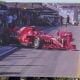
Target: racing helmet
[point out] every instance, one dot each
(33, 27)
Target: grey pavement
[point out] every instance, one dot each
(44, 63)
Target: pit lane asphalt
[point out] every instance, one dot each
(44, 63)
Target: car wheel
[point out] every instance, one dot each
(37, 43)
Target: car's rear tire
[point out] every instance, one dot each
(37, 44)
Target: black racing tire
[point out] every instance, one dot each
(37, 44)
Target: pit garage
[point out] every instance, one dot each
(19, 17)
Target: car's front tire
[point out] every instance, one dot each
(37, 44)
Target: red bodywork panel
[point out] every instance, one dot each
(67, 36)
(63, 41)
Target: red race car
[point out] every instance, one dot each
(29, 36)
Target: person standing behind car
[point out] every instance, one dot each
(10, 20)
(61, 20)
(67, 20)
(14, 19)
